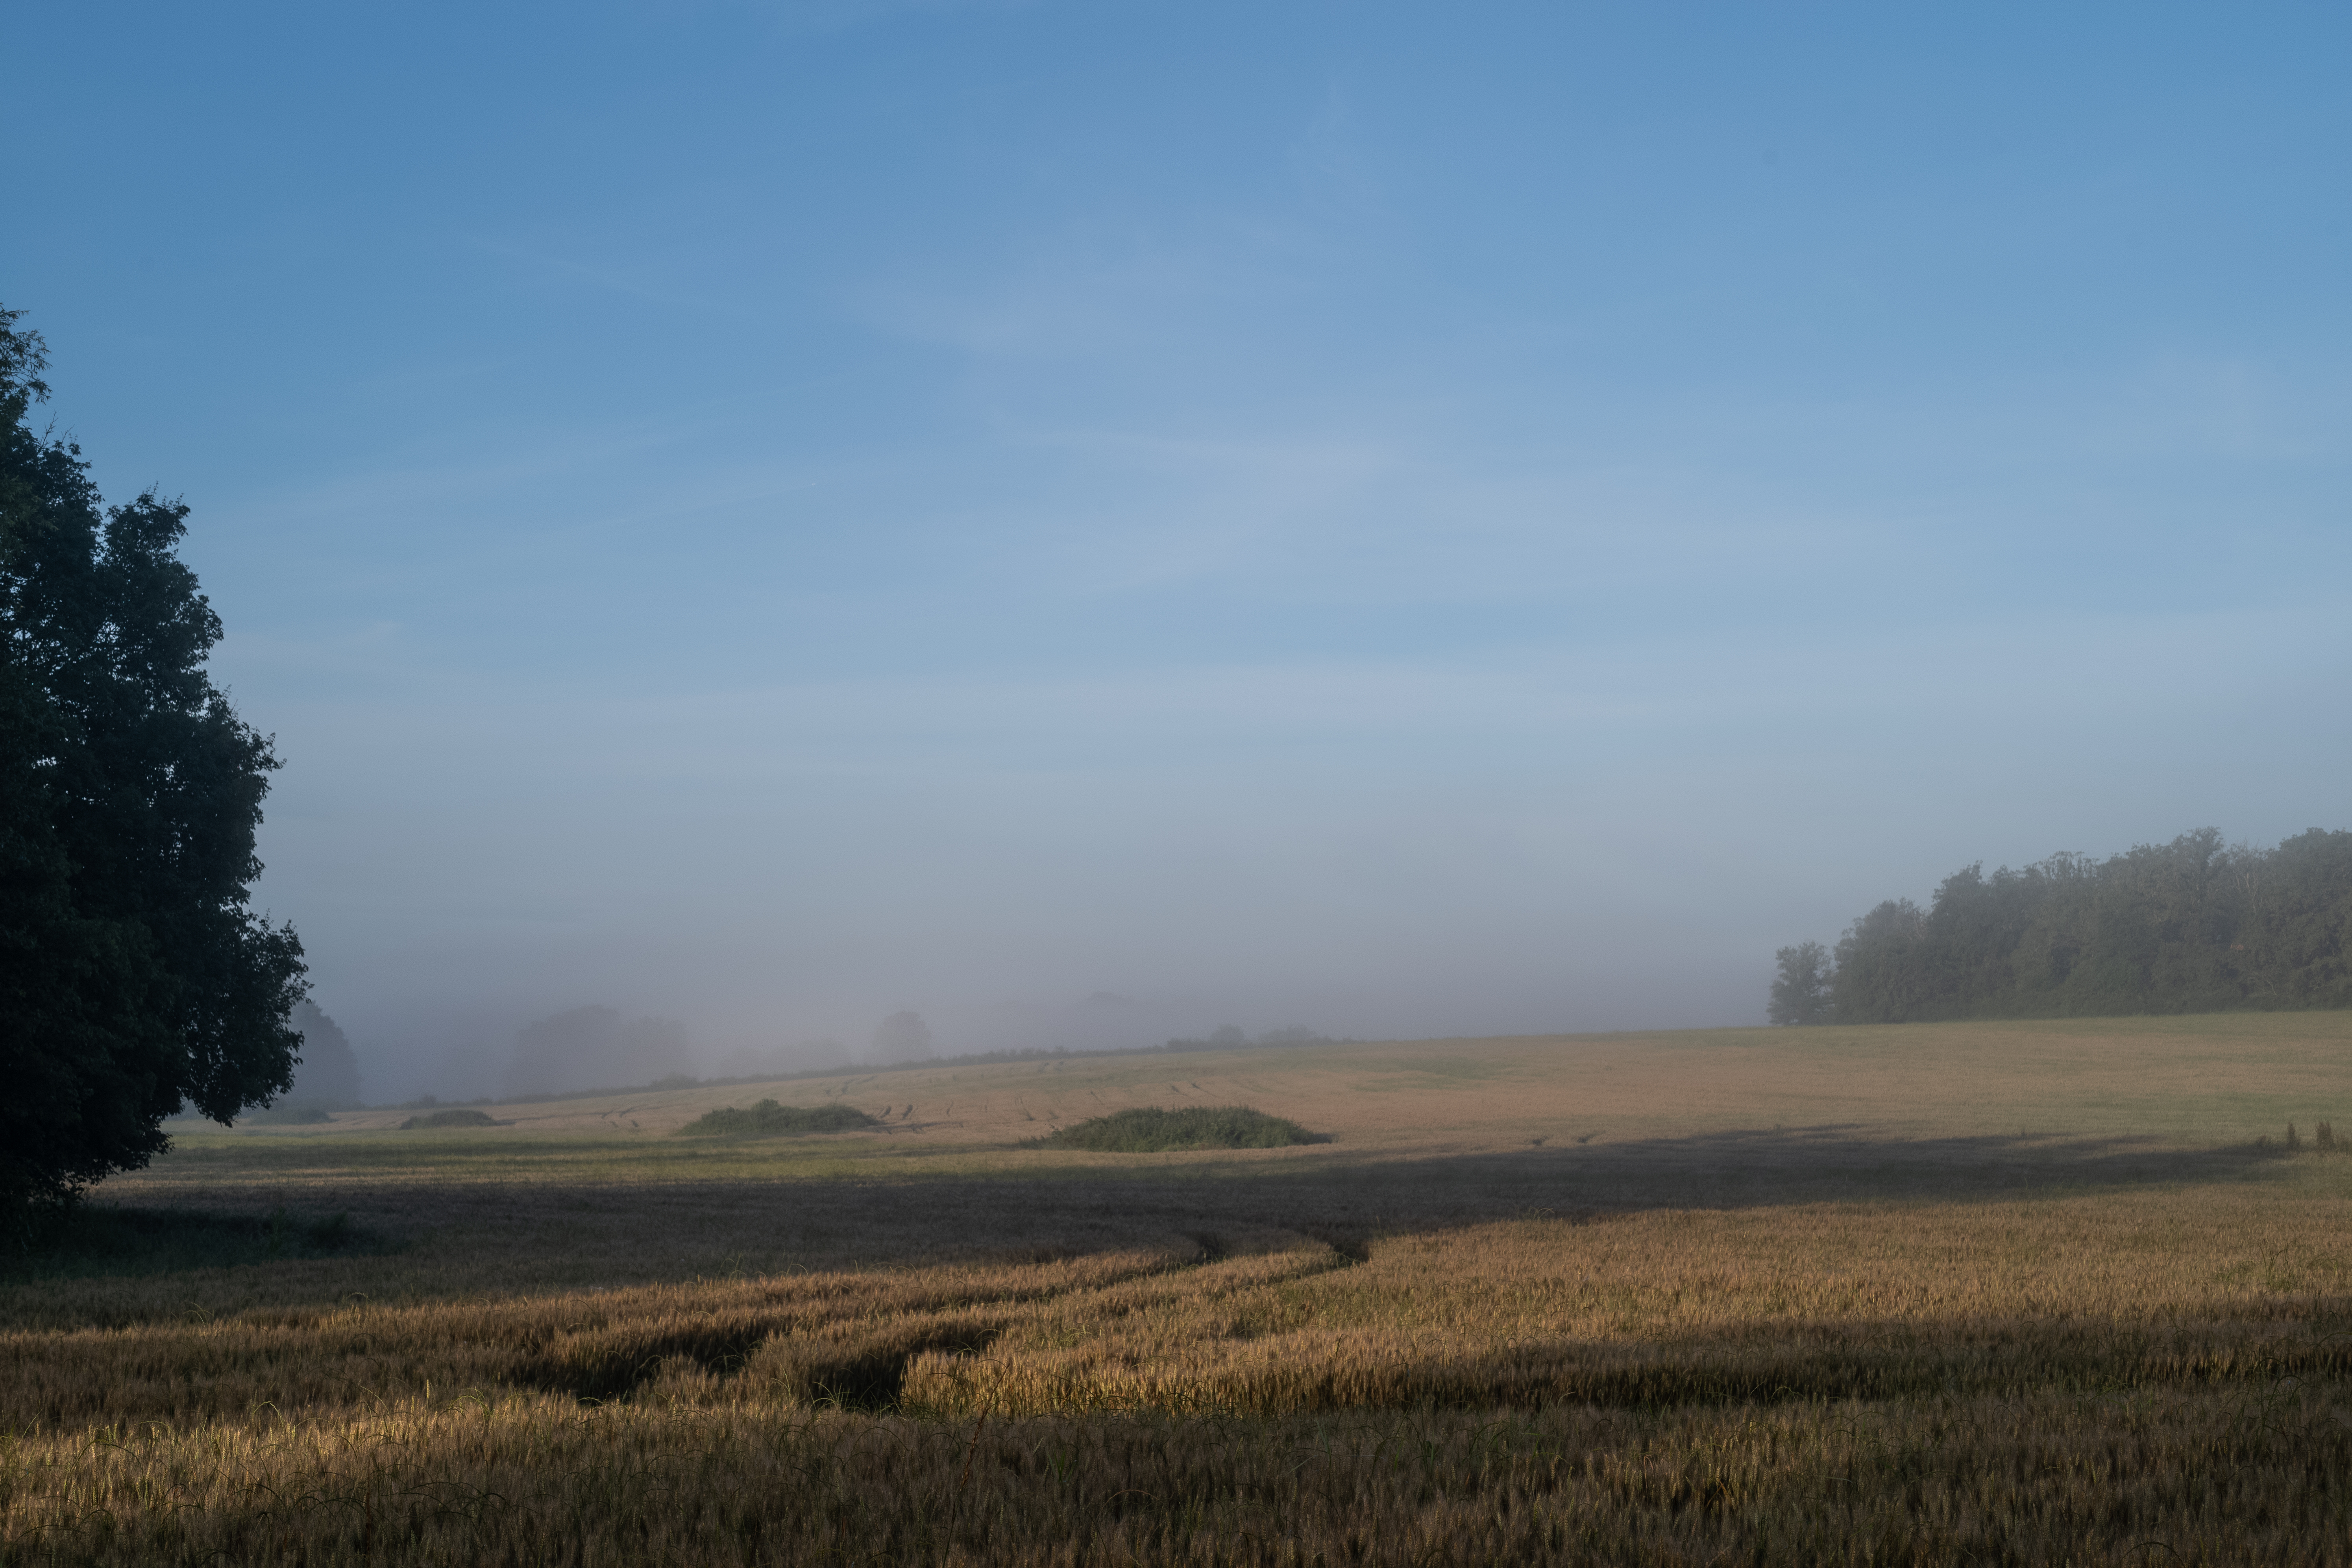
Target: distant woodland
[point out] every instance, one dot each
(2192, 926)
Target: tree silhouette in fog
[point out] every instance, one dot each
(594, 1046)
(328, 1074)
(900, 1037)
(1801, 992)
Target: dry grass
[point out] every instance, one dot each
(1679, 1307)
(2247, 1476)
(1897, 1333)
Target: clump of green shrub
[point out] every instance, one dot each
(452, 1118)
(1148, 1130)
(768, 1119)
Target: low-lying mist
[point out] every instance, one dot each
(596, 1046)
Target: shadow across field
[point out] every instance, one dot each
(1832, 1163)
(1345, 1202)
(84, 1241)
(528, 1229)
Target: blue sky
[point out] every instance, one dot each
(1403, 520)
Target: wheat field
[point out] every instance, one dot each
(2040, 1293)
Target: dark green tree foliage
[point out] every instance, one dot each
(2192, 926)
(133, 978)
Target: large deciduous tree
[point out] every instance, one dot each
(134, 978)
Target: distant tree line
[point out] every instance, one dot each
(2192, 926)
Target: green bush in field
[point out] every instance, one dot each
(768, 1118)
(451, 1119)
(1148, 1130)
